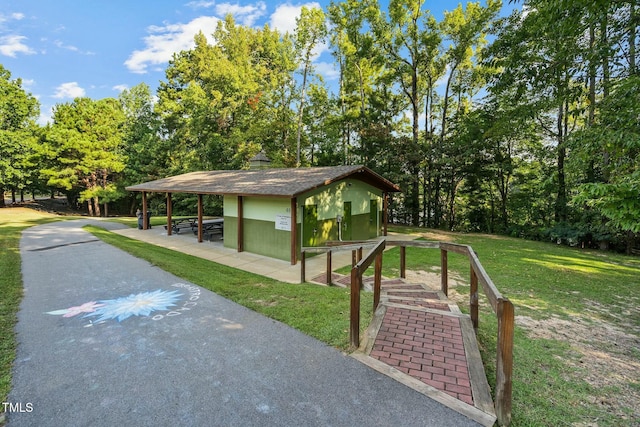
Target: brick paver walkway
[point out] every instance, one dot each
(423, 340)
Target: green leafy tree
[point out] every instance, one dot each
(616, 130)
(311, 30)
(222, 101)
(85, 147)
(147, 152)
(18, 135)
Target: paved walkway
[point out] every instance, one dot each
(107, 339)
(418, 337)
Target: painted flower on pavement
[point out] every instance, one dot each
(142, 304)
(87, 307)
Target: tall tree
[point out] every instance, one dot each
(18, 134)
(409, 38)
(222, 100)
(538, 52)
(311, 31)
(85, 145)
(147, 152)
(465, 29)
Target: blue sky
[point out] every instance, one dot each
(63, 49)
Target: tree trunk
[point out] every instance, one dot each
(561, 198)
(96, 203)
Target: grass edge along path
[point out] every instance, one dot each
(12, 222)
(318, 311)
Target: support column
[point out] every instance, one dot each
(294, 231)
(385, 212)
(144, 210)
(169, 214)
(240, 224)
(200, 210)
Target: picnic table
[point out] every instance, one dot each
(210, 227)
(178, 224)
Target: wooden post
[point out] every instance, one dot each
(303, 266)
(385, 212)
(144, 210)
(403, 262)
(169, 213)
(240, 243)
(329, 267)
(473, 299)
(377, 281)
(354, 325)
(294, 231)
(200, 213)
(444, 273)
(360, 279)
(354, 261)
(504, 361)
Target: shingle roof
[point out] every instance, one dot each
(264, 182)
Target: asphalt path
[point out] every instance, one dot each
(107, 339)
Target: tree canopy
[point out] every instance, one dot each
(525, 124)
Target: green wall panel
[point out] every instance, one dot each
(230, 232)
(261, 237)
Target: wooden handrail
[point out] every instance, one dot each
(356, 285)
(502, 307)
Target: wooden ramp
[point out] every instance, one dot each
(420, 338)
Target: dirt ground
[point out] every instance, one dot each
(607, 355)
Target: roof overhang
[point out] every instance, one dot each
(287, 183)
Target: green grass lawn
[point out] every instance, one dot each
(577, 339)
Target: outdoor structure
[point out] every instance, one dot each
(276, 212)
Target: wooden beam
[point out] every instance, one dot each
(144, 210)
(294, 231)
(504, 361)
(385, 212)
(329, 267)
(169, 213)
(474, 299)
(240, 245)
(200, 214)
(444, 272)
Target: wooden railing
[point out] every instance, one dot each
(502, 307)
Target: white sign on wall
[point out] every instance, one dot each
(283, 222)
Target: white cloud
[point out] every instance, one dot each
(245, 15)
(163, 41)
(120, 88)
(201, 4)
(27, 84)
(12, 44)
(69, 90)
(328, 70)
(284, 18)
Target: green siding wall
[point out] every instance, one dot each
(261, 236)
(230, 232)
(266, 240)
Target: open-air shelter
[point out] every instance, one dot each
(276, 212)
